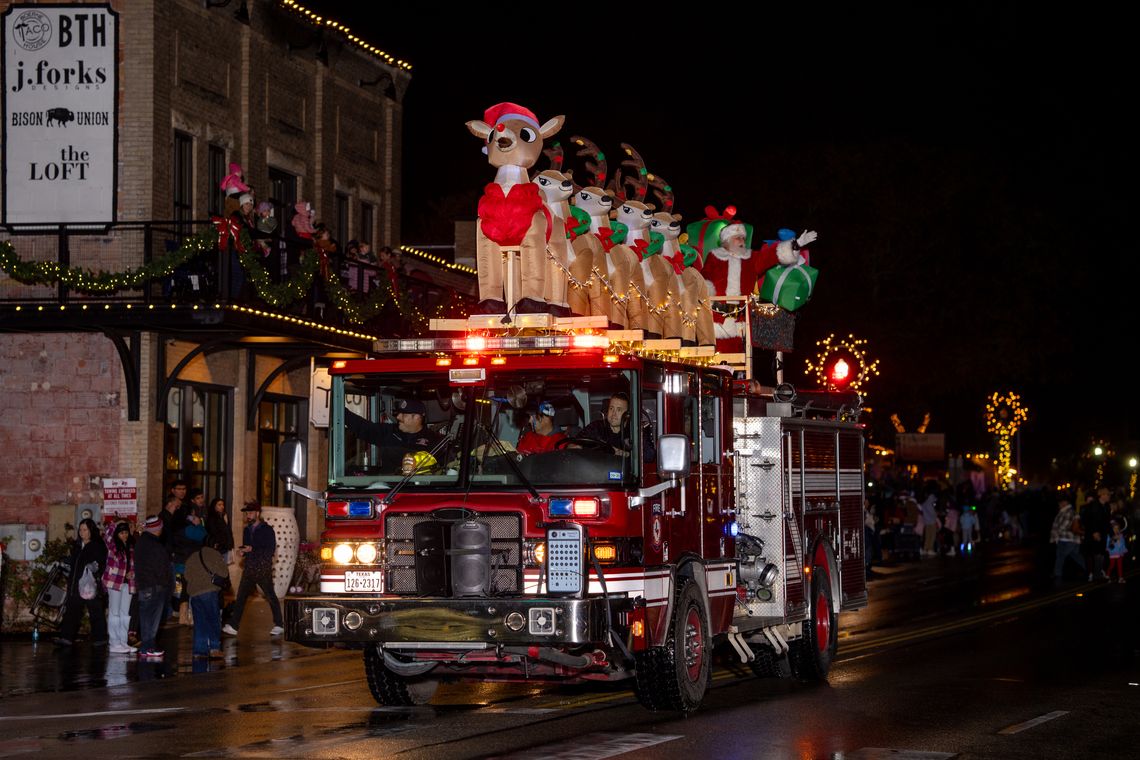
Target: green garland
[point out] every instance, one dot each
(356, 309)
(277, 293)
(102, 283)
(360, 309)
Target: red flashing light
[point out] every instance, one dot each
(336, 509)
(476, 343)
(840, 371)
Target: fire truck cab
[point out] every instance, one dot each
(675, 511)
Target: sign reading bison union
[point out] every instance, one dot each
(60, 118)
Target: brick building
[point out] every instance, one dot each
(154, 383)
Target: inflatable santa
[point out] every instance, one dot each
(729, 269)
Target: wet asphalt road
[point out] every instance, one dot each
(975, 657)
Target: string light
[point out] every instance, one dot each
(1004, 415)
(437, 260)
(851, 349)
(344, 31)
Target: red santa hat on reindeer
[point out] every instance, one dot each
(498, 114)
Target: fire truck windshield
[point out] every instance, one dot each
(548, 428)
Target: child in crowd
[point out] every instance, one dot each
(1117, 548)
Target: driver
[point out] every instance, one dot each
(542, 435)
(409, 430)
(608, 430)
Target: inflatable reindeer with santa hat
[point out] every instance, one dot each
(513, 220)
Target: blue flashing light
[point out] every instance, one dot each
(732, 529)
(561, 507)
(360, 509)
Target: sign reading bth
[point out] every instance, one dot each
(60, 116)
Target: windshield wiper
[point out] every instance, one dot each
(510, 460)
(388, 497)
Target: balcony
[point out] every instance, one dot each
(175, 276)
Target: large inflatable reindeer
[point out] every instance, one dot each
(512, 216)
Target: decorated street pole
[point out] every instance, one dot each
(1004, 415)
(843, 364)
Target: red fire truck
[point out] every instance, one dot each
(706, 515)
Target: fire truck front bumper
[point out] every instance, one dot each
(446, 622)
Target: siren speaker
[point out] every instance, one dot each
(470, 558)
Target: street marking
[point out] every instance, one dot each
(517, 710)
(885, 753)
(593, 746)
(94, 714)
(1019, 727)
(319, 686)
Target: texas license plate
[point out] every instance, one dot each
(370, 580)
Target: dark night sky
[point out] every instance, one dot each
(965, 168)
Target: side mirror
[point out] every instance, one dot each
(673, 452)
(291, 460)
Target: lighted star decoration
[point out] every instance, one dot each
(1004, 415)
(842, 362)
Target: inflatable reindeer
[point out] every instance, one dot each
(567, 276)
(512, 216)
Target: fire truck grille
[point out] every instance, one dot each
(506, 551)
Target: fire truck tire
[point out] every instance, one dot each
(766, 664)
(674, 677)
(812, 654)
(394, 690)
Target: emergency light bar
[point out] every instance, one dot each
(477, 343)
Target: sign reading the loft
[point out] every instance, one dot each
(60, 117)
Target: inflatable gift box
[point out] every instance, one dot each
(789, 287)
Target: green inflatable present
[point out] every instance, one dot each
(789, 287)
(705, 234)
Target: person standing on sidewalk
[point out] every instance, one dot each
(259, 542)
(119, 580)
(1068, 542)
(88, 553)
(154, 583)
(206, 574)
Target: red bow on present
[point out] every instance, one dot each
(228, 229)
(677, 260)
(712, 213)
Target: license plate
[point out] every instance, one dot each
(371, 580)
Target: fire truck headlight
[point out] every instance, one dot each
(534, 553)
(366, 554)
(342, 554)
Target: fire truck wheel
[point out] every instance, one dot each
(675, 676)
(766, 664)
(394, 690)
(813, 653)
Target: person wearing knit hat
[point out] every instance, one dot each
(154, 583)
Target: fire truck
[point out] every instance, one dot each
(723, 516)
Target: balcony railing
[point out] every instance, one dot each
(162, 262)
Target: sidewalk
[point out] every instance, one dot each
(30, 667)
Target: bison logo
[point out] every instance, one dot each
(60, 116)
